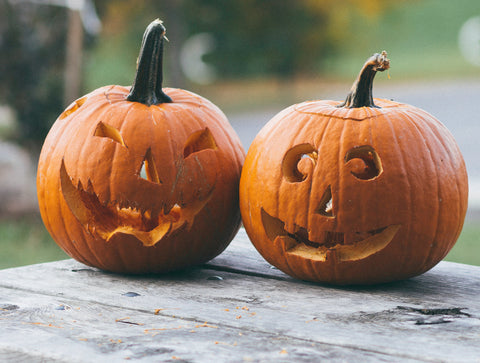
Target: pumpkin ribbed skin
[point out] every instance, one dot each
(105, 169)
(320, 216)
(141, 179)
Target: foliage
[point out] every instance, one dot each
(31, 64)
(253, 38)
(268, 38)
(421, 38)
(273, 37)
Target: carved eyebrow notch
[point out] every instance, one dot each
(198, 141)
(104, 130)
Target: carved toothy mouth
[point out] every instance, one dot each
(108, 220)
(336, 245)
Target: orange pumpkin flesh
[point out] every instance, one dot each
(141, 179)
(360, 192)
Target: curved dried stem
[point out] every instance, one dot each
(361, 92)
(147, 87)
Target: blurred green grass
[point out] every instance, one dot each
(26, 242)
(467, 248)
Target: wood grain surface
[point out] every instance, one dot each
(237, 308)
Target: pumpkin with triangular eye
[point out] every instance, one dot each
(141, 179)
(360, 192)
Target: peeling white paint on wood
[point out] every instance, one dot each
(234, 309)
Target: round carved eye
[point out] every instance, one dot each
(299, 162)
(364, 162)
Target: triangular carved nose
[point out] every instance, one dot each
(148, 170)
(325, 207)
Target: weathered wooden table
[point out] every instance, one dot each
(236, 308)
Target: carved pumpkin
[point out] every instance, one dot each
(141, 179)
(355, 192)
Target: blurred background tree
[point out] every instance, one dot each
(252, 38)
(32, 66)
(279, 40)
(269, 38)
(41, 41)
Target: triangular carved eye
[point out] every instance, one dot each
(104, 130)
(148, 170)
(198, 141)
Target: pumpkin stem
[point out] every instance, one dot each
(361, 92)
(147, 87)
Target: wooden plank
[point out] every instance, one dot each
(434, 317)
(55, 329)
(363, 320)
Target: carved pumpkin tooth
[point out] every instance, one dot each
(147, 214)
(331, 255)
(290, 227)
(90, 188)
(287, 243)
(79, 185)
(302, 234)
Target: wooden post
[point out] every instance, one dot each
(176, 34)
(73, 61)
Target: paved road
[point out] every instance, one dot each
(455, 103)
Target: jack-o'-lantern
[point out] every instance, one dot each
(360, 192)
(141, 179)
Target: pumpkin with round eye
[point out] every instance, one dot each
(360, 192)
(141, 179)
